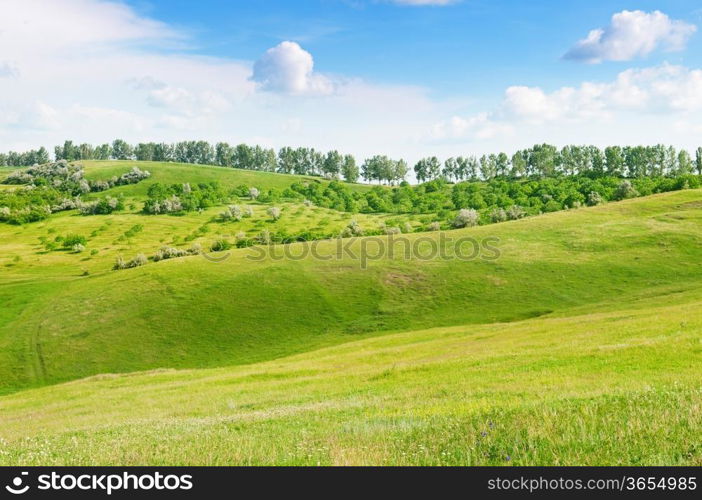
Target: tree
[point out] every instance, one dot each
(223, 154)
(399, 172)
(332, 164)
(684, 163)
(350, 169)
(120, 150)
(519, 164)
(42, 156)
(427, 169)
(502, 165)
(451, 169)
(543, 160)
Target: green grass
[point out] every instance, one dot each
(605, 388)
(580, 344)
(193, 313)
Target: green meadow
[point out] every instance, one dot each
(570, 338)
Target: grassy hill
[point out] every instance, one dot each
(618, 387)
(580, 343)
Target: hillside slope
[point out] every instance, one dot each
(620, 387)
(194, 313)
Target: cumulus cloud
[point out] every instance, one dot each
(639, 105)
(288, 68)
(632, 34)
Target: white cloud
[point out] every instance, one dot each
(8, 70)
(640, 106)
(632, 34)
(289, 68)
(480, 126)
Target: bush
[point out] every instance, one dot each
(352, 229)
(78, 248)
(220, 246)
(166, 253)
(71, 240)
(594, 198)
(466, 217)
(120, 263)
(498, 215)
(138, 261)
(104, 206)
(515, 212)
(625, 190)
(274, 212)
(254, 193)
(434, 226)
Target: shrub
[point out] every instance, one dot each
(498, 215)
(78, 248)
(393, 230)
(103, 206)
(220, 246)
(120, 263)
(264, 237)
(248, 212)
(232, 212)
(254, 193)
(515, 212)
(407, 228)
(625, 190)
(353, 229)
(434, 226)
(71, 240)
(594, 198)
(138, 261)
(274, 212)
(166, 253)
(466, 217)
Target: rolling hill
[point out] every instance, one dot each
(581, 336)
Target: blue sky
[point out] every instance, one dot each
(471, 45)
(362, 76)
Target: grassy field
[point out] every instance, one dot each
(605, 388)
(579, 344)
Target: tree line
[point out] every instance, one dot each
(539, 161)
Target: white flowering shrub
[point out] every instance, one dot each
(353, 229)
(625, 190)
(254, 193)
(274, 212)
(466, 217)
(498, 215)
(434, 226)
(594, 198)
(515, 212)
(166, 253)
